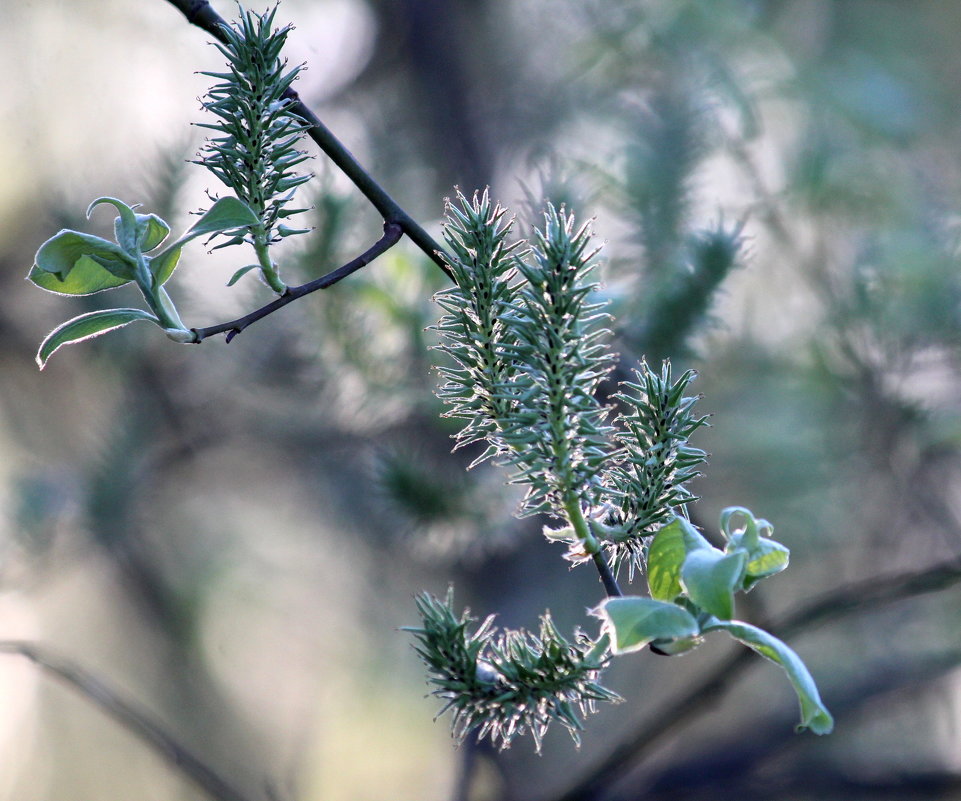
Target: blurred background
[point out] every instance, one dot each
(231, 536)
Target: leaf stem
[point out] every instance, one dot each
(155, 296)
(266, 265)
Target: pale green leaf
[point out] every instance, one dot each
(814, 715)
(241, 273)
(164, 263)
(99, 264)
(151, 231)
(670, 546)
(226, 214)
(632, 622)
(87, 326)
(710, 578)
(85, 278)
(666, 555)
(768, 558)
(693, 539)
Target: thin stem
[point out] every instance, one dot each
(611, 586)
(266, 265)
(201, 14)
(136, 721)
(392, 235)
(583, 531)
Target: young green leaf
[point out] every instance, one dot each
(710, 578)
(632, 622)
(814, 715)
(98, 264)
(226, 214)
(164, 263)
(87, 326)
(668, 550)
(151, 231)
(125, 226)
(85, 278)
(768, 558)
(241, 273)
(665, 557)
(765, 556)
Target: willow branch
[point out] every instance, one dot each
(392, 234)
(848, 600)
(202, 14)
(134, 720)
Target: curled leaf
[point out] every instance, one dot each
(74, 263)
(814, 715)
(125, 225)
(151, 231)
(710, 578)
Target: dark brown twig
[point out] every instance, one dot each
(136, 721)
(607, 576)
(392, 234)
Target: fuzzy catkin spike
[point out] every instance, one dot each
(502, 685)
(473, 330)
(529, 353)
(556, 438)
(253, 148)
(650, 480)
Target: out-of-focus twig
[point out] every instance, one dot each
(133, 719)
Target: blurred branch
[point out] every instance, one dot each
(856, 597)
(135, 720)
(202, 14)
(698, 774)
(392, 234)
